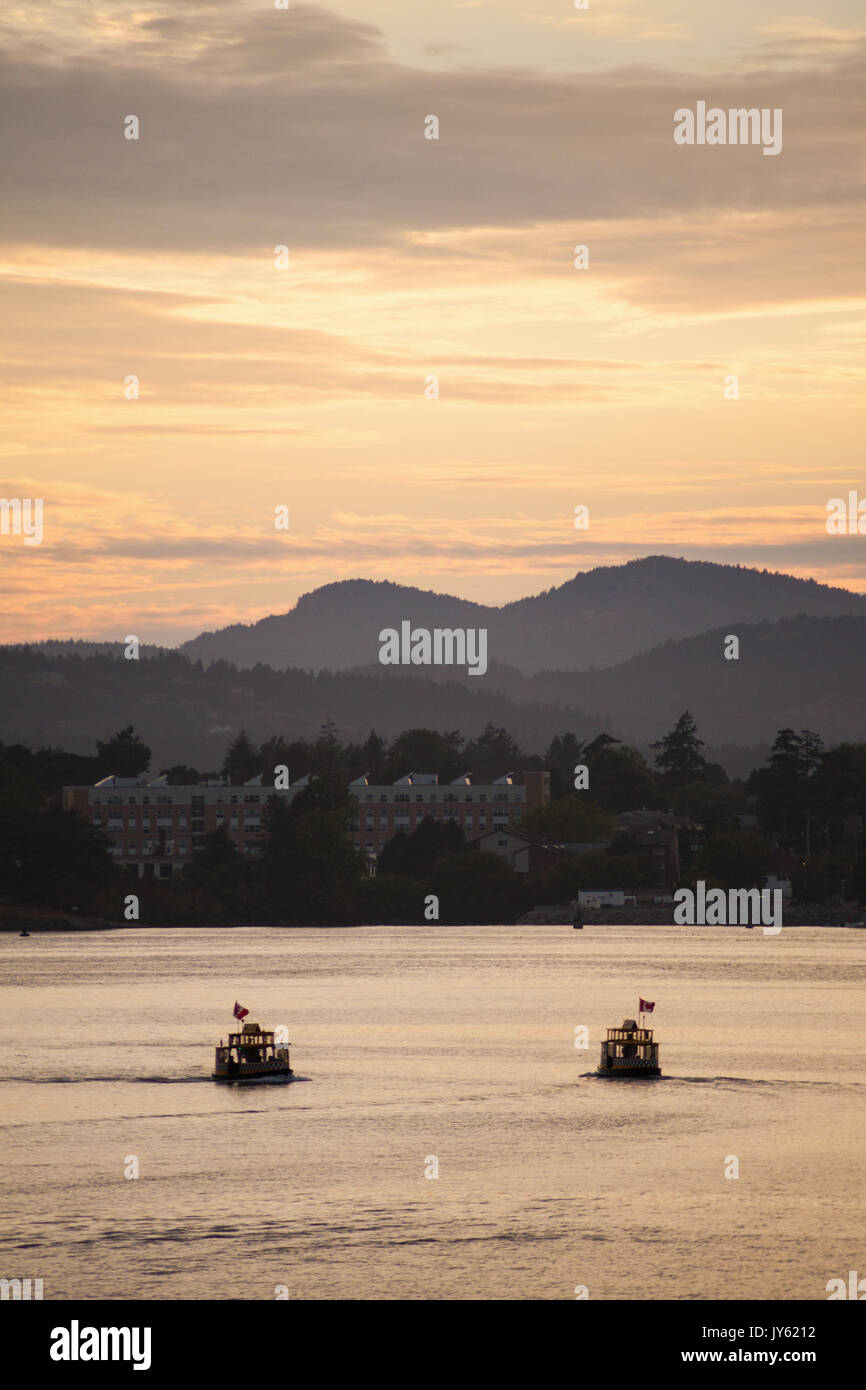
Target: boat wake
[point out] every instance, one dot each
(732, 1081)
(86, 1080)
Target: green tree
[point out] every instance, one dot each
(855, 885)
(51, 858)
(475, 887)
(388, 898)
(427, 750)
(492, 754)
(181, 775)
(242, 761)
(414, 854)
(576, 872)
(372, 755)
(563, 755)
(124, 755)
(329, 753)
(838, 788)
(734, 859)
(277, 752)
(816, 881)
(221, 872)
(572, 818)
(785, 787)
(218, 851)
(619, 778)
(678, 758)
(309, 866)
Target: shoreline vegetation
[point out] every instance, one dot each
(613, 822)
(798, 915)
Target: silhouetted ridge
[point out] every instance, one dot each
(599, 618)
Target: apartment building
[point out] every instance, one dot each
(476, 807)
(154, 828)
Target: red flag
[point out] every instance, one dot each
(646, 1007)
(239, 1012)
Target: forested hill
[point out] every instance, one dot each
(598, 618)
(800, 672)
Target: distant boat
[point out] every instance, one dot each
(252, 1055)
(629, 1051)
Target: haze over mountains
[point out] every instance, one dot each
(599, 618)
(802, 664)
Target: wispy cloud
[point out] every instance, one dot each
(412, 259)
(122, 552)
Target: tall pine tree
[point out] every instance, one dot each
(678, 757)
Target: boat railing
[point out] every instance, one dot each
(632, 1035)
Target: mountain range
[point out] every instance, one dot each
(598, 618)
(623, 649)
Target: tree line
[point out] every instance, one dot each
(806, 802)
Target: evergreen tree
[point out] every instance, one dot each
(329, 754)
(679, 759)
(562, 756)
(276, 752)
(373, 754)
(51, 858)
(124, 755)
(427, 750)
(734, 858)
(242, 760)
(492, 754)
(788, 786)
(219, 871)
(576, 817)
(415, 855)
(309, 866)
(181, 775)
(619, 778)
(475, 887)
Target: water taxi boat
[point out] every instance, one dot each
(629, 1051)
(252, 1055)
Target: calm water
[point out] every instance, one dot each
(453, 1042)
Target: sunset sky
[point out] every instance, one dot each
(408, 258)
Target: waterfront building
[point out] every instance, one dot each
(154, 828)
